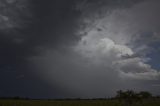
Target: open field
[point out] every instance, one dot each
(153, 102)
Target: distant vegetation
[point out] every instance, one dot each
(123, 98)
(129, 97)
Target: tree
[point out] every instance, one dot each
(125, 97)
(129, 97)
(145, 95)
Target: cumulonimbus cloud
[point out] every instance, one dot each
(113, 47)
(109, 38)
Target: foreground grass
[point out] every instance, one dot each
(153, 102)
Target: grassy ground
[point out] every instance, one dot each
(155, 102)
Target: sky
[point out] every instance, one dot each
(78, 48)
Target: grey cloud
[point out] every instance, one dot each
(14, 14)
(29, 28)
(105, 60)
(123, 26)
(135, 68)
(97, 64)
(76, 75)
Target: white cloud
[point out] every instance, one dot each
(152, 75)
(116, 35)
(97, 47)
(126, 25)
(101, 50)
(136, 68)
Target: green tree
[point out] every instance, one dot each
(127, 98)
(145, 95)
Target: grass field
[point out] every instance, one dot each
(153, 102)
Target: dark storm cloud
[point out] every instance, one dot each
(59, 50)
(56, 22)
(47, 27)
(47, 24)
(27, 28)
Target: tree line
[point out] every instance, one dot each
(127, 98)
